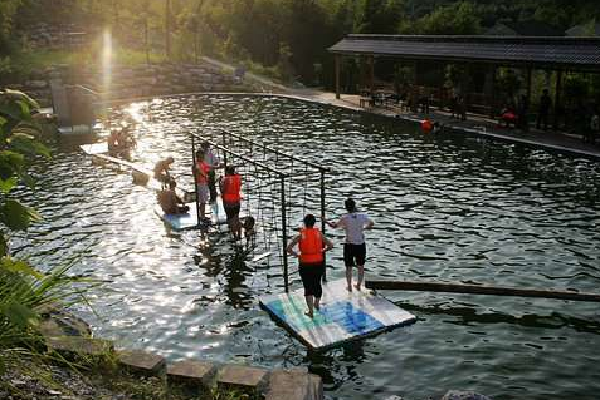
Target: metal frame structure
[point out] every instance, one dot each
(282, 176)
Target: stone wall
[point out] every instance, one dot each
(131, 81)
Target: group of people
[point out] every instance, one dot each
(121, 142)
(312, 245)
(204, 170)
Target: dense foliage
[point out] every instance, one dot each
(288, 34)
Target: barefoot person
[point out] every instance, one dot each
(170, 202)
(162, 171)
(213, 162)
(201, 172)
(311, 245)
(231, 185)
(355, 248)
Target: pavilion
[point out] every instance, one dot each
(548, 53)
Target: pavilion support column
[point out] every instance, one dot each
(338, 71)
(529, 79)
(490, 83)
(557, 97)
(372, 74)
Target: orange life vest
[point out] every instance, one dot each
(202, 170)
(231, 188)
(311, 246)
(426, 126)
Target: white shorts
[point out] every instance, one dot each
(203, 193)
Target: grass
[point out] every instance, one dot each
(104, 377)
(24, 62)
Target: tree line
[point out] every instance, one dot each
(291, 36)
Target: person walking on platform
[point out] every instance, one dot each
(311, 247)
(162, 171)
(355, 248)
(213, 162)
(201, 171)
(231, 185)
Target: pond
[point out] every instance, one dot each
(447, 209)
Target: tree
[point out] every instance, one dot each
(456, 19)
(168, 27)
(18, 148)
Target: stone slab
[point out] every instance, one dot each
(343, 316)
(241, 377)
(141, 362)
(294, 385)
(79, 345)
(191, 371)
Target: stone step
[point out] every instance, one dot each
(294, 385)
(246, 379)
(71, 345)
(141, 362)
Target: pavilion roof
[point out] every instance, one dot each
(579, 53)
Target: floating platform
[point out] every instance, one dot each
(344, 316)
(99, 151)
(215, 214)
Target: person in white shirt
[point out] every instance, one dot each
(355, 248)
(213, 162)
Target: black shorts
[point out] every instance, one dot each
(231, 210)
(355, 251)
(311, 275)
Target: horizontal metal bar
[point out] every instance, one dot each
(311, 164)
(247, 159)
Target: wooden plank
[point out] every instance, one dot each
(480, 289)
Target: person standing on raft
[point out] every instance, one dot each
(162, 171)
(311, 247)
(355, 247)
(201, 171)
(213, 162)
(231, 185)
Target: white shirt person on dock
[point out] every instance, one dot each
(355, 248)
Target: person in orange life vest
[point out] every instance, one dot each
(201, 172)
(230, 186)
(311, 245)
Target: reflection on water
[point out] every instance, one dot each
(448, 208)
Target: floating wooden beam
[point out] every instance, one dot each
(480, 289)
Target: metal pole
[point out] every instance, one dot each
(196, 199)
(224, 152)
(323, 224)
(284, 235)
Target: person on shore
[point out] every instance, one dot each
(311, 247)
(231, 185)
(162, 171)
(522, 114)
(170, 202)
(201, 172)
(544, 110)
(213, 162)
(594, 128)
(355, 249)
